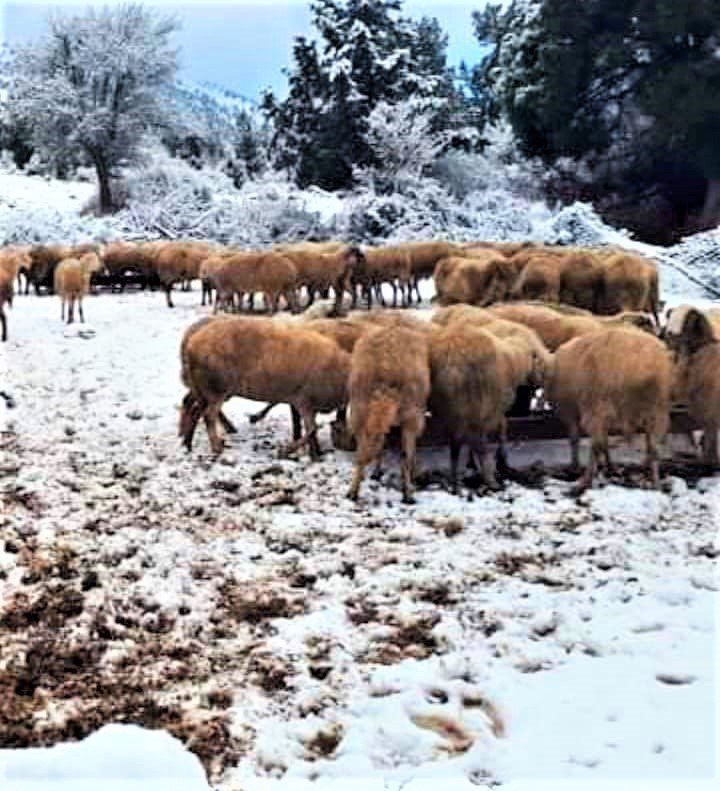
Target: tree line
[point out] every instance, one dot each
(619, 99)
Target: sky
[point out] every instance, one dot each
(242, 44)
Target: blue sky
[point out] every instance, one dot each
(242, 44)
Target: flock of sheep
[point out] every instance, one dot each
(582, 324)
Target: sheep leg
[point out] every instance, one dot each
(227, 424)
(62, 308)
(189, 417)
(586, 481)
(71, 310)
(211, 416)
(262, 414)
(487, 472)
(80, 311)
(168, 297)
(416, 284)
(310, 436)
(408, 465)
(574, 437)
(710, 446)
(455, 447)
(3, 324)
(369, 447)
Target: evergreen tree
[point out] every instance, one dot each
(366, 53)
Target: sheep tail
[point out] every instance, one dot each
(381, 415)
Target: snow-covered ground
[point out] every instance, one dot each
(280, 631)
(285, 635)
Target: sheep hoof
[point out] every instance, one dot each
(409, 499)
(354, 496)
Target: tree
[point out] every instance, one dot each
(96, 83)
(366, 53)
(634, 84)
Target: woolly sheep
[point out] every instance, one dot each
(72, 282)
(389, 386)
(265, 361)
(616, 379)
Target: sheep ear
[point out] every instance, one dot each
(697, 331)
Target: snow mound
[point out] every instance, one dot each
(579, 224)
(700, 256)
(113, 753)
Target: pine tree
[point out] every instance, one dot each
(367, 53)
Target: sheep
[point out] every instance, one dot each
(630, 282)
(389, 385)
(555, 327)
(265, 361)
(692, 339)
(247, 272)
(713, 316)
(320, 271)
(423, 258)
(581, 280)
(475, 373)
(179, 261)
(475, 281)
(390, 264)
(119, 258)
(617, 379)
(508, 249)
(44, 259)
(539, 278)
(12, 260)
(72, 282)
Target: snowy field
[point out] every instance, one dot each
(280, 631)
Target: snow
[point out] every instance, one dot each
(118, 756)
(545, 640)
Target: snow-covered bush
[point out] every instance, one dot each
(45, 225)
(579, 224)
(699, 256)
(500, 166)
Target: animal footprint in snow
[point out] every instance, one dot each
(457, 738)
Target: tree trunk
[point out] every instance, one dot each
(103, 176)
(710, 215)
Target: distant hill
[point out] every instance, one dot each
(213, 105)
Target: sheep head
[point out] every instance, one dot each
(687, 330)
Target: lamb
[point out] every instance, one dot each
(555, 327)
(265, 361)
(176, 262)
(691, 336)
(474, 281)
(475, 374)
(616, 379)
(630, 282)
(247, 272)
(389, 386)
(320, 271)
(72, 282)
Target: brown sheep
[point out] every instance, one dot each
(72, 282)
(508, 249)
(618, 379)
(308, 247)
(320, 271)
(555, 327)
(692, 338)
(390, 264)
(424, 256)
(474, 281)
(389, 386)
(581, 280)
(713, 316)
(11, 261)
(630, 282)
(539, 278)
(265, 361)
(475, 374)
(176, 262)
(44, 259)
(247, 272)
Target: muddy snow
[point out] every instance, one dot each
(245, 606)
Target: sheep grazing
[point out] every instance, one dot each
(630, 282)
(72, 282)
(390, 264)
(389, 386)
(177, 262)
(617, 379)
(475, 374)
(474, 280)
(265, 361)
(248, 272)
(691, 336)
(121, 259)
(557, 326)
(320, 271)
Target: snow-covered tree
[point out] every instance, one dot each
(96, 83)
(366, 53)
(401, 137)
